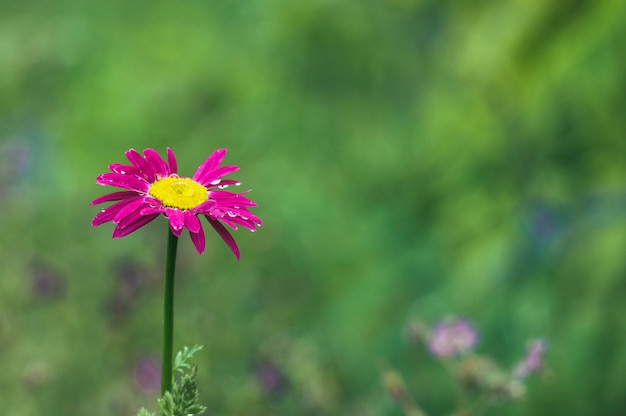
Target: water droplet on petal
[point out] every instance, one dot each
(222, 187)
(215, 182)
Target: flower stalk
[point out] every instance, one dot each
(168, 313)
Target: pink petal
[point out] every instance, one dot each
(107, 214)
(176, 219)
(198, 240)
(205, 207)
(244, 222)
(171, 160)
(115, 196)
(120, 231)
(137, 160)
(212, 175)
(228, 222)
(124, 169)
(223, 232)
(122, 181)
(124, 221)
(253, 218)
(158, 165)
(150, 209)
(225, 197)
(223, 183)
(209, 164)
(128, 210)
(192, 222)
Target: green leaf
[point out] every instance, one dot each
(180, 362)
(183, 400)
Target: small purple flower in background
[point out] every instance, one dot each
(545, 223)
(147, 375)
(533, 360)
(46, 283)
(452, 338)
(153, 187)
(270, 378)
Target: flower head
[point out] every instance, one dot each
(535, 351)
(153, 187)
(449, 339)
(147, 374)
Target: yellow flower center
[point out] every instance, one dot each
(181, 193)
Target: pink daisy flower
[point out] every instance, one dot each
(153, 187)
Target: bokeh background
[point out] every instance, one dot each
(411, 159)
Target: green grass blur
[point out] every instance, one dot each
(410, 159)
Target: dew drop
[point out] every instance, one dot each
(215, 182)
(222, 187)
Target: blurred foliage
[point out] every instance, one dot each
(410, 158)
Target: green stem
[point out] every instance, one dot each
(168, 313)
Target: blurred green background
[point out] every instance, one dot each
(410, 158)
